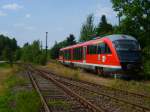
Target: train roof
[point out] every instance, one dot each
(98, 40)
(120, 37)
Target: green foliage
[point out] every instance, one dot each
(88, 29)
(59, 104)
(146, 55)
(7, 48)
(4, 65)
(54, 52)
(17, 55)
(135, 19)
(13, 80)
(27, 101)
(22, 101)
(18, 99)
(5, 102)
(103, 27)
(33, 53)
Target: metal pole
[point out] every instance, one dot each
(46, 44)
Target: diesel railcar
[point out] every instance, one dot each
(110, 54)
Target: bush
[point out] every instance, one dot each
(146, 62)
(147, 69)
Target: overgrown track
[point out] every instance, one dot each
(56, 97)
(112, 99)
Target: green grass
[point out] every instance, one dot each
(4, 65)
(27, 101)
(5, 102)
(22, 100)
(60, 104)
(134, 86)
(14, 80)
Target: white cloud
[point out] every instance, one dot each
(27, 15)
(2, 13)
(13, 6)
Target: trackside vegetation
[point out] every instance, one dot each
(60, 104)
(13, 97)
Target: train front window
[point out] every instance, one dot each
(126, 45)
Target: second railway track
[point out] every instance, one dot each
(131, 97)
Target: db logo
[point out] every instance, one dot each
(103, 58)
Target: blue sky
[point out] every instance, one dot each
(28, 20)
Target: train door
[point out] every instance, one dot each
(104, 54)
(99, 53)
(84, 54)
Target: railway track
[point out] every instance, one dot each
(97, 97)
(56, 97)
(122, 94)
(117, 98)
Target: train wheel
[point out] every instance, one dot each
(99, 71)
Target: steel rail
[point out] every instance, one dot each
(36, 86)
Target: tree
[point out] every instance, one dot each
(88, 29)
(70, 40)
(135, 16)
(7, 55)
(33, 53)
(54, 52)
(8, 48)
(104, 28)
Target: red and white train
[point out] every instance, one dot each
(113, 53)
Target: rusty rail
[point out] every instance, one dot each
(35, 85)
(83, 101)
(80, 99)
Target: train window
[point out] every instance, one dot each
(92, 49)
(126, 45)
(99, 49)
(77, 53)
(67, 54)
(103, 48)
(107, 49)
